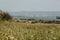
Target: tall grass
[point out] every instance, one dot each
(26, 31)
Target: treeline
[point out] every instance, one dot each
(50, 21)
(38, 21)
(5, 16)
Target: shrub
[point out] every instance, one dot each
(7, 16)
(1, 14)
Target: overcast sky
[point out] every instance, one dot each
(30, 5)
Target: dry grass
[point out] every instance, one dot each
(27, 31)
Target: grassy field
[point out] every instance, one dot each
(27, 31)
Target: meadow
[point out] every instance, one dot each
(10, 30)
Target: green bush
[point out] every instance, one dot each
(6, 16)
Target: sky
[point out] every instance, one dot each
(30, 5)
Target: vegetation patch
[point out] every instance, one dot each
(25, 31)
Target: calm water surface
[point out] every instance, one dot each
(37, 15)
